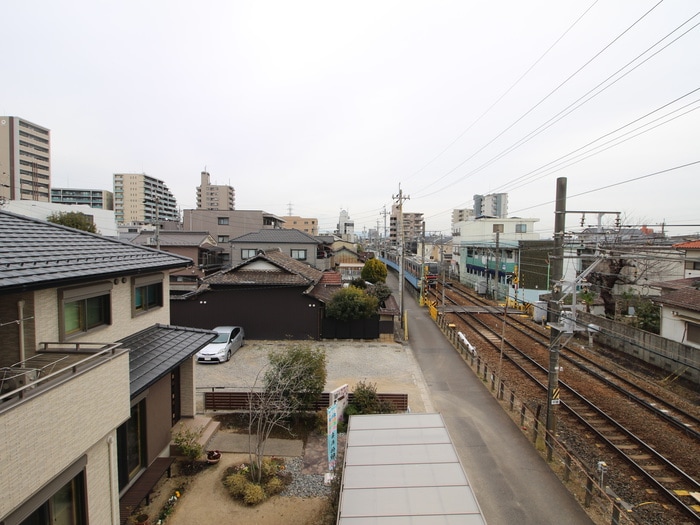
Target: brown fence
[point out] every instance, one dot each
(221, 400)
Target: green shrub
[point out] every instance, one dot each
(366, 401)
(253, 494)
(237, 483)
(186, 440)
(274, 486)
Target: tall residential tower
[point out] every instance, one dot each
(140, 199)
(25, 160)
(213, 196)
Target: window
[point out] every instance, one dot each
(696, 265)
(62, 501)
(521, 228)
(222, 221)
(247, 253)
(85, 308)
(131, 444)
(693, 333)
(148, 293)
(222, 238)
(299, 255)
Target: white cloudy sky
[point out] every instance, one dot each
(328, 105)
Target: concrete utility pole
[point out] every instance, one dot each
(554, 312)
(399, 234)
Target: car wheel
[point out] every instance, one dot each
(228, 356)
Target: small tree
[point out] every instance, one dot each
(365, 400)
(381, 291)
(374, 271)
(351, 303)
(291, 382)
(73, 219)
(187, 440)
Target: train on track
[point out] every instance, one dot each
(415, 269)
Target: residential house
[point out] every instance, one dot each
(268, 294)
(92, 376)
(680, 310)
(198, 246)
(349, 263)
(294, 243)
(691, 264)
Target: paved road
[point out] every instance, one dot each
(512, 483)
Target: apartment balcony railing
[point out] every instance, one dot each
(53, 363)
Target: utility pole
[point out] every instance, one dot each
(554, 312)
(498, 264)
(385, 213)
(399, 225)
(422, 267)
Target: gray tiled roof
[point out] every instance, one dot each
(156, 351)
(293, 272)
(278, 236)
(36, 254)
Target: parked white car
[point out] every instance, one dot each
(229, 340)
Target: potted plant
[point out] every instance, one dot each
(213, 456)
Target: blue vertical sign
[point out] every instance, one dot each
(332, 435)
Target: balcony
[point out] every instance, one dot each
(53, 363)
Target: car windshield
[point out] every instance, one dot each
(221, 338)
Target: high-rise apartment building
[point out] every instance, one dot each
(491, 205)
(100, 199)
(346, 227)
(25, 160)
(213, 196)
(412, 227)
(140, 199)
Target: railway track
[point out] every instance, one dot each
(653, 465)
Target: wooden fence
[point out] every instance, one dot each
(222, 400)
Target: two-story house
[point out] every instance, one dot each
(92, 377)
(294, 243)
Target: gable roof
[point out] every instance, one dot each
(686, 298)
(269, 267)
(156, 351)
(282, 236)
(36, 254)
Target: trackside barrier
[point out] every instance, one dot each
(582, 482)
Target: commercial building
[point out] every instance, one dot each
(412, 230)
(346, 227)
(25, 160)
(101, 199)
(140, 199)
(213, 196)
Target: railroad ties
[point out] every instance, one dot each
(497, 310)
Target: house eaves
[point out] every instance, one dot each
(160, 349)
(36, 254)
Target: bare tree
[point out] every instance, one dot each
(293, 379)
(632, 258)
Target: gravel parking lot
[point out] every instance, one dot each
(390, 366)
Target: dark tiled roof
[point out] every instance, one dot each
(36, 254)
(156, 351)
(278, 236)
(286, 271)
(677, 284)
(687, 298)
(330, 283)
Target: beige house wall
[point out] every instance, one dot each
(62, 423)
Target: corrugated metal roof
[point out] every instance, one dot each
(156, 351)
(36, 254)
(403, 468)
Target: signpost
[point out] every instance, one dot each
(338, 401)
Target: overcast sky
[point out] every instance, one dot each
(314, 107)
